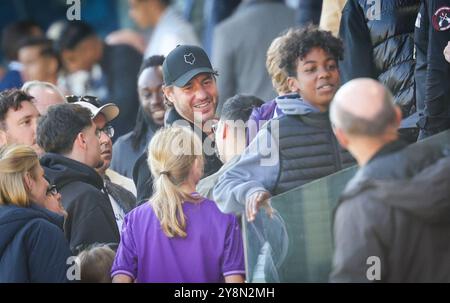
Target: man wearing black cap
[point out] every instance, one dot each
(190, 87)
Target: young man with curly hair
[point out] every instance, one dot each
(300, 142)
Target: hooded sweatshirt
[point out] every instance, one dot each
(397, 209)
(90, 215)
(32, 246)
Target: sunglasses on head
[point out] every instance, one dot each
(89, 99)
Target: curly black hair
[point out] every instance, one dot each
(300, 41)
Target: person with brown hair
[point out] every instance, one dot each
(18, 119)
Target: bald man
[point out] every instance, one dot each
(393, 219)
(45, 94)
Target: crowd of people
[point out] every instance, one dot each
(139, 159)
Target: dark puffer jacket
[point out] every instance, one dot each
(381, 48)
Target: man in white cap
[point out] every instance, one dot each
(116, 186)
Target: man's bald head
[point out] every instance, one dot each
(363, 107)
(45, 95)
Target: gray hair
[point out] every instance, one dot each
(31, 84)
(354, 125)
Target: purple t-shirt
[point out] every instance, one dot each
(212, 249)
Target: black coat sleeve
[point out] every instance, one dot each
(437, 76)
(358, 49)
(143, 179)
(308, 11)
(91, 220)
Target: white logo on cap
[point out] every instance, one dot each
(189, 59)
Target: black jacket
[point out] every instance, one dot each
(381, 48)
(141, 173)
(90, 215)
(432, 71)
(396, 208)
(308, 12)
(120, 66)
(123, 197)
(32, 246)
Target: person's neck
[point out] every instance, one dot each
(157, 14)
(101, 172)
(366, 148)
(235, 149)
(188, 187)
(52, 79)
(77, 157)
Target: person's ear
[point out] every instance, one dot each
(68, 58)
(3, 138)
(52, 66)
(341, 137)
(28, 181)
(80, 141)
(293, 84)
(168, 93)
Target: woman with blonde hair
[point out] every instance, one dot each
(178, 236)
(32, 244)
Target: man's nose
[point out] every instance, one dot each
(201, 93)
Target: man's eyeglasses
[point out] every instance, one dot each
(52, 190)
(108, 130)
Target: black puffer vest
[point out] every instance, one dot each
(308, 150)
(392, 41)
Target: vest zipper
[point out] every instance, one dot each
(336, 148)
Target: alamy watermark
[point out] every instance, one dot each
(374, 10)
(74, 271)
(74, 11)
(373, 273)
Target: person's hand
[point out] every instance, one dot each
(255, 201)
(447, 52)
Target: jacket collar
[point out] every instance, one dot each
(173, 117)
(389, 148)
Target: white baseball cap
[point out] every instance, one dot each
(110, 110)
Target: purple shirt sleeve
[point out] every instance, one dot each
(125, 262)
(233, 261)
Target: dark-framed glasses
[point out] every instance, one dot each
(52, 190)
(108, 130)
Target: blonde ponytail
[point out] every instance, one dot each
(171, 157)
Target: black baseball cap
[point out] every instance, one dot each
(184, 63)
